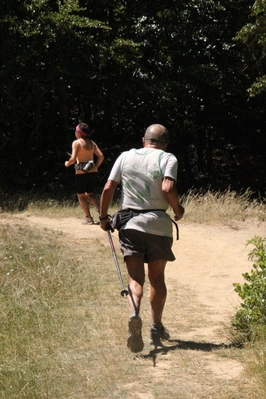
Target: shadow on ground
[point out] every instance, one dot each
(184, 345)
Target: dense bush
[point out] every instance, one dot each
(251, 316)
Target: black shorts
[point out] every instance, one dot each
(148, 247)
(86, 182)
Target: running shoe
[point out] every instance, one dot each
(134, 341)
(158, 333)
(88, 221)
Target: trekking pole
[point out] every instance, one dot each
(123, 292)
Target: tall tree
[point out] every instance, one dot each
(120, 65)
(253, 35)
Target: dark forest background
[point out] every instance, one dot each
(195, 66)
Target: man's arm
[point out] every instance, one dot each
(105, 201)
(171, 195)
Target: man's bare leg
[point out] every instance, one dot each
(136, 273)
(136, 278)
(158, 291)
(158, 294)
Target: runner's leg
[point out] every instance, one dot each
(91, 198)
(158, 291)
(92, 179)
(136, 274)
(136, 278)
(84, 205)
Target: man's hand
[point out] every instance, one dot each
(179, 212)
(106, 224)
(105, 201)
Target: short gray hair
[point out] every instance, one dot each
(156, 134)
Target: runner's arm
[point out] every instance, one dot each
(73, 157)
(99, 155)
(105, 201)
(171, 195)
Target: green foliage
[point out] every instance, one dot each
(258, 87)
(253, 35)
(120, 66)
(252, 313)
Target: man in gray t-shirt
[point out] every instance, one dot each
(148, 178)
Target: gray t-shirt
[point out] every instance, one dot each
(141, 172)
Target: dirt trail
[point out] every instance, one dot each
(201, 297)
(209, 259)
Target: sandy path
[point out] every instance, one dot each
(209, 259)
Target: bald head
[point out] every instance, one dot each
(156, 135)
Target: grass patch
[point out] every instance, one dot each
(258, 367)
(201, 207)
(222, 206)
(57, 209)
(53, 300)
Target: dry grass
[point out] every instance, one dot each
(208, 207)
(222, 206)
(54, 302)
(57, 209)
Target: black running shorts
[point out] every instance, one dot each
(149, 247)
(85, 182)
